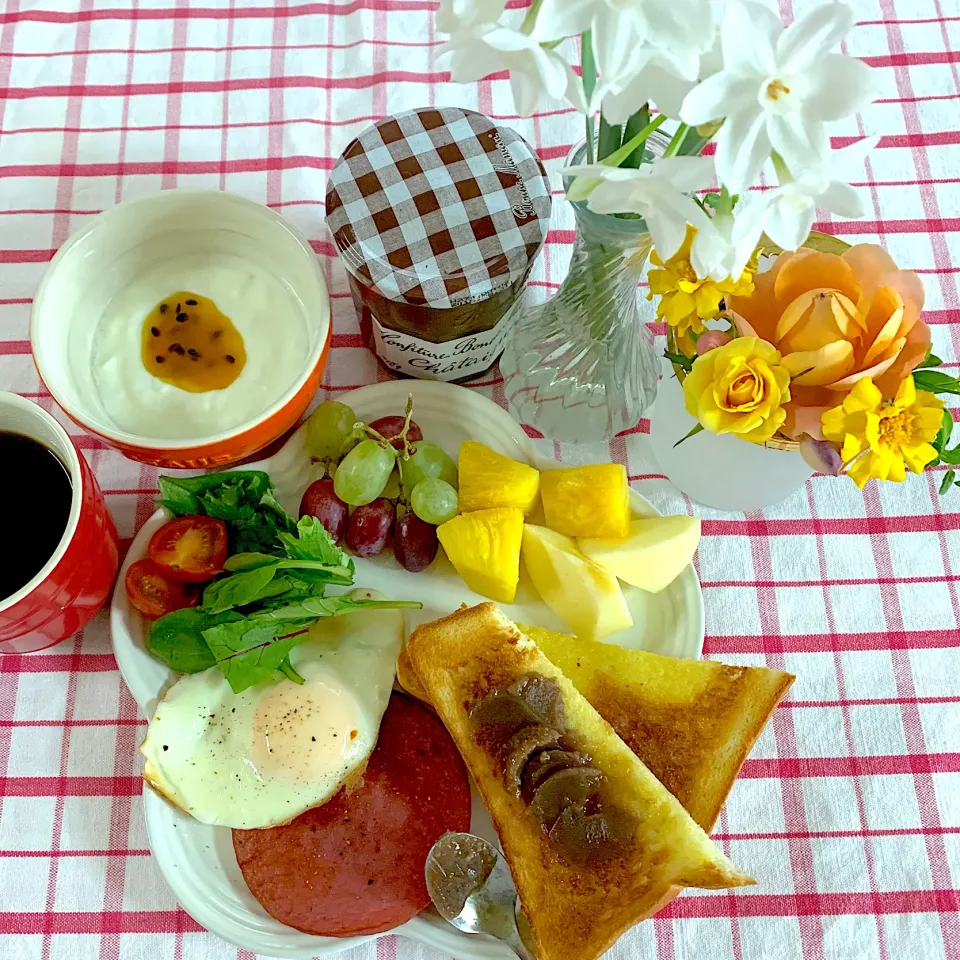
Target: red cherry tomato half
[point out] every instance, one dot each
(190, 549)
(152, 593)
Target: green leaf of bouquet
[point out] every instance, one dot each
(946, 429)
(951, 457)
(947, 482)
(682, 361)
(936, 381)
(697, 429)
(930, 360)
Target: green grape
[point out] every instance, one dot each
(363, 473)
(330, 431)
(434, 501)
(392, 490)
(427, 462)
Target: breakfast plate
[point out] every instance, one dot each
(197, 860)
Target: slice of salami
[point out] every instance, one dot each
(355, 865)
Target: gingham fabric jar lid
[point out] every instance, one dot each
(438, 207)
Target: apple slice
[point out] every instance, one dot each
(652, 556)
(587, 597)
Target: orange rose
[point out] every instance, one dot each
(836, 320)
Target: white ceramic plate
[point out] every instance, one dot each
(196, 860)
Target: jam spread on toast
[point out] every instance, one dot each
(522, 726)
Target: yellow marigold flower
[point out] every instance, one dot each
(739, 388)
(882, 438)
(686, 300)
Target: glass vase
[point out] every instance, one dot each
(581, 367)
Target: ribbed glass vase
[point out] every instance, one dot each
(581, 367)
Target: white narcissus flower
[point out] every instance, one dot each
(621, 28)
(658, 192)
(455, 15)
(777, 89)
(787, 212)
(536, 73)
(658, 80)
(724, 243)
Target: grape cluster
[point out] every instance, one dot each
(384, 481)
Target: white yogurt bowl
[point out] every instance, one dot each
(91, 304)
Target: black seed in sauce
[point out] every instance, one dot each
(193, 353)
(178, 308)
(177, 349)
(163, 308)
(181, 318)
(216, 335)
(190, 303)
(159, 359)
(155, 331)
(231, 359)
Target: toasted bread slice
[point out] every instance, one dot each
(692, 722)
(576, 912)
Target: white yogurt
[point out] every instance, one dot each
(262, 307)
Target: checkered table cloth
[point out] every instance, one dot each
(848, 810)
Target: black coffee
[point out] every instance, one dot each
(35, 491)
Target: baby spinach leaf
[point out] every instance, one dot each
(317, 607)
(238, 589)
(249, 652)
(289, 671)
(176, 639)
(247, 561)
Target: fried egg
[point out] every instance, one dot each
(261, 757)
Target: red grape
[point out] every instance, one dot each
(321, 502)
(390, 429)
(415, 543)
(369, 526)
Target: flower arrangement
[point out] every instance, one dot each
(761, 91)
(826, 354)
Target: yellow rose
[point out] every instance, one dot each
(739, 388)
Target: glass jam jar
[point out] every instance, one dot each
(438, 215)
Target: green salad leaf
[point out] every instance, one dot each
(251, 649)
(177, 639)
(272, 589)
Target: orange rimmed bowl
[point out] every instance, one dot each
(241, 254)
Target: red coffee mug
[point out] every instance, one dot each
(76, 581)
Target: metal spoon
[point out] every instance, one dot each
(471, 887)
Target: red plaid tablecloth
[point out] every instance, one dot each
(848, 810)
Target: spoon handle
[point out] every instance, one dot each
(515, 942)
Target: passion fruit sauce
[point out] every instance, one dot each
(189, 343)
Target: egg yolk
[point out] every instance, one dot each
(305, 732)
(188, 343)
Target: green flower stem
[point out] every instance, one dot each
(531, 18)
(611, 136)
(781, 168)
(635, 124)
(676, 141)
(618, 156)
(588, 71)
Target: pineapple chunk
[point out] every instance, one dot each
(589, 501)
(587, 597)
(654, 554)
(489, 479)
(484, 547)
